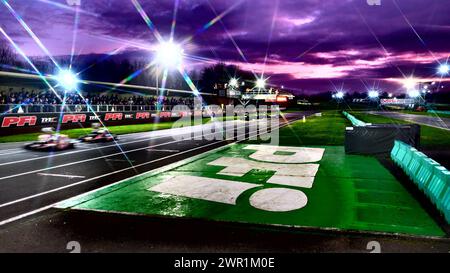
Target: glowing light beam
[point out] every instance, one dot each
(21, 53)
(174, 19)
(189, 82)
(212, 21)
(74, 35)
(69, 8)
(147, 20)
(232, 39)
(30, 32)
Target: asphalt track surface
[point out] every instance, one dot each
(33, 181)
(433, 121)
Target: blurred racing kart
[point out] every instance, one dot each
(98, 135)
(51, 141)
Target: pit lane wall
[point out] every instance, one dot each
(29, 123)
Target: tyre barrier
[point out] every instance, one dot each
(375, 139)
(353, 120)
(428, 175)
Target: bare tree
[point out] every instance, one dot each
(7, 56)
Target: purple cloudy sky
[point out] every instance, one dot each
(303, 44)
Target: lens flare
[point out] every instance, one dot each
(67, 80)
(260, 83)
(444, 69)
(30, 32)
(340, 95)
(147, 20)
(233, 82)
(373, 94)
(169, 55)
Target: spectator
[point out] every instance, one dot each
(50, 99)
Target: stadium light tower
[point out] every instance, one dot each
(261, 83)
(444, 69)
(409, 83)
(373, 94)
(169, 55)
(68, 80)
(233, 83)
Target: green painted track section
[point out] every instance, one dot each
(350, 192)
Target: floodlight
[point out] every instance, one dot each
(233, 82)
(409, 83)
(373, 94)
(444, 69)
(169, 55)
(340, 95)
(261, 84)
(390, 95)
(67, 80)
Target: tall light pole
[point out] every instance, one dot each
(169, 56)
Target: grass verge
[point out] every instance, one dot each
(327, 130)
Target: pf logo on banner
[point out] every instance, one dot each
(19, 121)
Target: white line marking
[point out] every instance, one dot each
(79, 151)
(119, 160)
(11, 153)
(61, 175)
(9, 150)
(21, 216)
(104, 175)
(18, 217)
(162, 150)
(85, 160)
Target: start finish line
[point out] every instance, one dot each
(315, 187)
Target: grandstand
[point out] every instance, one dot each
(44, 101)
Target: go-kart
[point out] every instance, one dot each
(97, 136)
(51, 141)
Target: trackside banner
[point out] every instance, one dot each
(15, 123)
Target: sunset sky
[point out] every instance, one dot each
(312, 45)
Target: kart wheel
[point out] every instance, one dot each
(29, 147)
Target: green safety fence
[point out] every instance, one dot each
(353, 120)
(429, 176)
